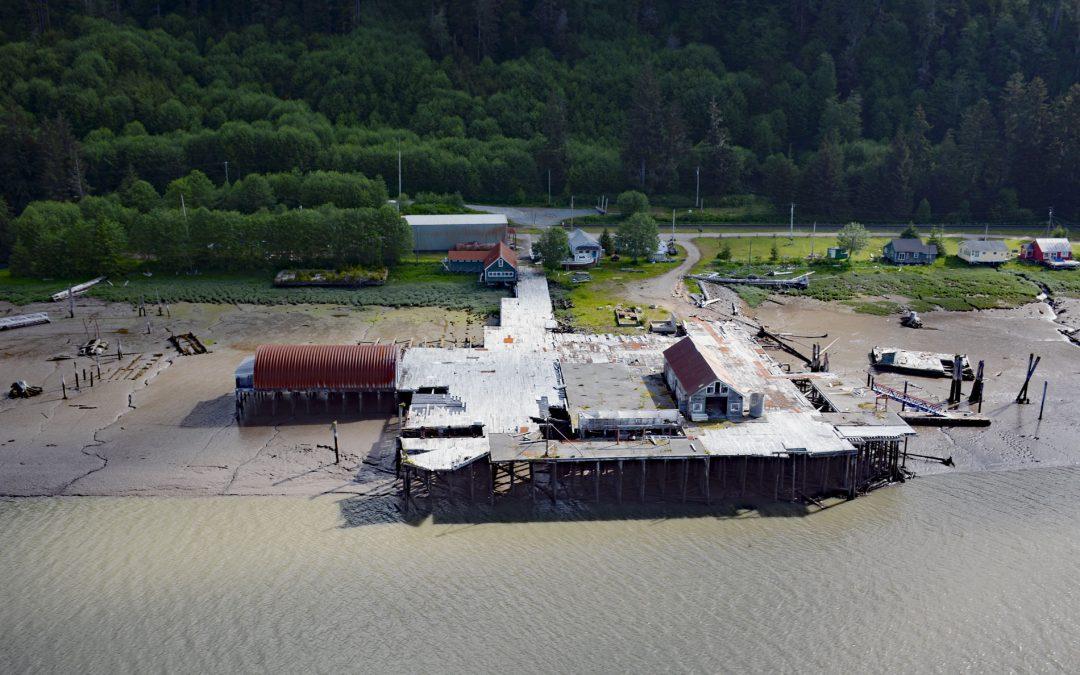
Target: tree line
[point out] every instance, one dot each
(100, 235)
(879, 111)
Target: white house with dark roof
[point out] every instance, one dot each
(585, 249)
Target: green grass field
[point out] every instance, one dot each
(593, 302)
(875, 288)
(417, 282)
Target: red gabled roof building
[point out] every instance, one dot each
(495, 265)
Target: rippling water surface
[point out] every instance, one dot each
(977, 571)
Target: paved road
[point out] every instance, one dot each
(533, 215)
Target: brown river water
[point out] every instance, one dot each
(977, 571)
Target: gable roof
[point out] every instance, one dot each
(913, 246)
(503, 251)
(1055, 245)
(579, 238)
(463, 256)
(984, 245)
(694, 365)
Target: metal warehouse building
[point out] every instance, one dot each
(355, 377)
(442, 233)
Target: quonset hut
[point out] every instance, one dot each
(355, 377)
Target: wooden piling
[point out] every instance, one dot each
(620, 481)
(554, 468)
(596, 483)
(643, 481)
(708, 496)
(685, 478)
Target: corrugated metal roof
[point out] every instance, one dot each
(458, 219)
(694, 366)
(326, 367)
(443, 454)
(579, 238)
(1054, 245)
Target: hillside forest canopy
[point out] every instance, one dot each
(229, 135)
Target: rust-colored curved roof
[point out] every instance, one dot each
(327, 367)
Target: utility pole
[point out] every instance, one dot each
(1050, 222)
(571, 211)
(791, 221)
(813, 234)
(549, 187)
(226, 171)
(399, 176)
(697, 188)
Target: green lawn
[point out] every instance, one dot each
(417, 282)
(593, 302)
(875, 288)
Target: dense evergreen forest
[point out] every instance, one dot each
(893, 110)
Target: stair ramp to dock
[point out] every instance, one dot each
(914, 402)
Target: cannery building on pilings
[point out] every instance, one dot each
(705, 418)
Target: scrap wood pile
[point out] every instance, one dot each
(627, 316)
(187, 344)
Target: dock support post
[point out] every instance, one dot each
(596, 483)
(494, 469)
(554, 480)
(511, 476)
(663, 477)
(685, 477)
(472, 482)
(532, 482)
(708, 496)
(620, 480)
(643, 481)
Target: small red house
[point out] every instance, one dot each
(1046, 251)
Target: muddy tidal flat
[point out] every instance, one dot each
(158, 423)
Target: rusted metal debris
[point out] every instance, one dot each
(23, 320)
(20, 389)
(93, 347)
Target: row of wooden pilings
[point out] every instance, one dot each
(254, 403)
(796, 477)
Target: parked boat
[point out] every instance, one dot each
(918, 363)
